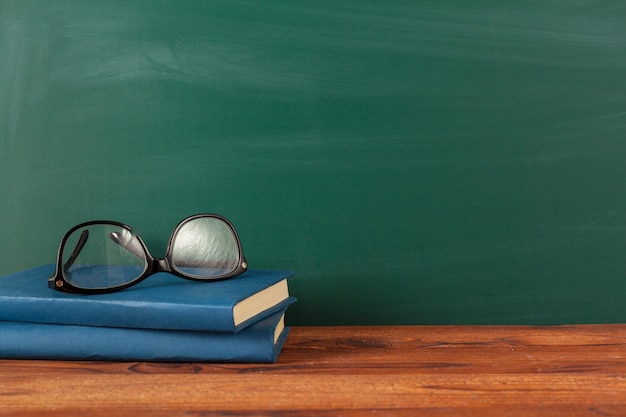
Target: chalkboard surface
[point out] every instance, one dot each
(413, 161)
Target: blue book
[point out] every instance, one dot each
(162, 301)
(259, 343)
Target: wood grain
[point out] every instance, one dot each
(348, 371)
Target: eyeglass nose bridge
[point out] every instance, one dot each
(161, 265)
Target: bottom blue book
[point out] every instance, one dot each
(259, 343)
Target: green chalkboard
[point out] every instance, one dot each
(414, 161)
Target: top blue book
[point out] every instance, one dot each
(162, 301)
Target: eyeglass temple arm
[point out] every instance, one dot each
(128, 244)
(82, 240)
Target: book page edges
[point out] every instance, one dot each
(279, 329)
(261, 301)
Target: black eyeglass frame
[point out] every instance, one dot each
(154, 265)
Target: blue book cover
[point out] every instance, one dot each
(259, 343)
(162, 301)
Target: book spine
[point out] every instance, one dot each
(67, 342)
(89, 312)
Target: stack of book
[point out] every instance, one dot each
(164, 318)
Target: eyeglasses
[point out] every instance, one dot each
(106, 256)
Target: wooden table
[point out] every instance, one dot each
(348, 371)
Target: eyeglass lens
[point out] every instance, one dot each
(204, 248)
(102, 256)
